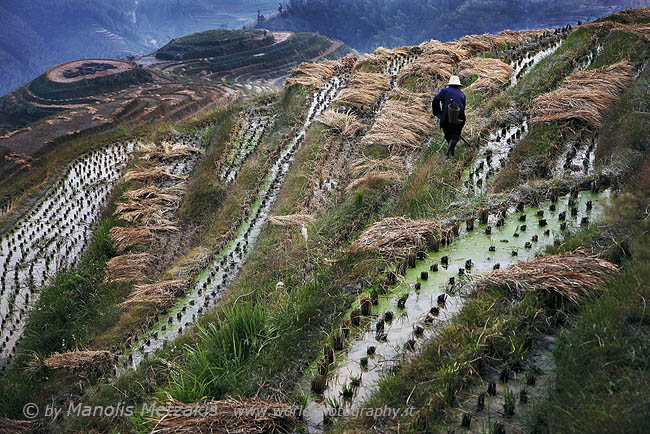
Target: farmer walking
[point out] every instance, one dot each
(452, 112)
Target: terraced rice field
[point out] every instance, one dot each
(432, 291)
(226, 264)
(53, 235)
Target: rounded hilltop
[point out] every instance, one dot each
(84, 78)
(86, 69)
(215, 43)
(244, 55)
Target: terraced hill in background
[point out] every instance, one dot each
(311, 250)
(93, 97)
(215, 43)
(256, 56)
(39, 34)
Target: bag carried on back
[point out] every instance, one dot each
(453, 113)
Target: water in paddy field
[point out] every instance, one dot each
(494, 156)
(53, 236)
(516, 240)
(393, 67)
(527, 63)
(578, 158)
(227, 263)
(247, 141)
(5, 207)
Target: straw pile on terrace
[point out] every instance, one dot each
(127, 236)
(151, 206)
(439, 60)
(367, 170)
(317, 74)
(161, 294)
(293, 220)
(150, 175)
(584, 95)
(432, 69)
(571, 275)
(642, 30)
(404, 51)
(365, 165)
(397, 236)
(509, 37)
(232, 416)
(403, 123)
(157, 195)
(345, 124)
(632, 16)
(429, 71)
(364, 91)
(492, 74)
(479, 44)
(168, 151)
(373, 177)
(450, 49)
(476, 44)
(83, 363)
(132, 267)
(381, 56)
(149, 212)
(12, 426)
(313, 74)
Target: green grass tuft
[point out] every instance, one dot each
(71, 310)
(214, 363)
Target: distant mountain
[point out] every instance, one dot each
(367, 24)
(38, 34)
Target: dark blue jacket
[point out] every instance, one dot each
(446, 96)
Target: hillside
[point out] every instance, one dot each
(244, 55)
(308, 252)
(98, 97)
(39, 34)
(366, 25)
(215, 43)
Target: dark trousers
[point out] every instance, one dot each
(452, 136)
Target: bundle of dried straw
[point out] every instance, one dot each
(168, 151)
(152, 175)
(345, 124)
(584, 95)
(492, 73)
(397, 236)
(156, 195)
(293, 220)
(431, 70)
(161, 294)
(381, 56)
(232, 416)
(367, 170)
(132, 267)
(364, 91)
(82, 363)
(317, 74)
(571, 275)
(125, 236)
(312, 74)
(405, 120)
